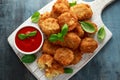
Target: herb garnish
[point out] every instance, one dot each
(24, 36)
(73, 3)
(35, 17)
(87, 27)
(59, 36)
(28, 58)
(101, 34)
(68, 70)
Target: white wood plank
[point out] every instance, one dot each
(38, 73)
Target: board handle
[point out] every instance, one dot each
(101, 4)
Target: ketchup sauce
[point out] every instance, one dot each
(29, 44)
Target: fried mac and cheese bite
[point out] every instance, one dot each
(77, 56)
(49, 26)
(44, 16)
(69, 18)
(63, 1)
(83, 11)
(53, 71)
(64, 56)
(88, 45)
(59, 7)
(45, 60)
(71, 40)
(49, 48)
(79, 31)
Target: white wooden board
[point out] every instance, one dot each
(97, 7)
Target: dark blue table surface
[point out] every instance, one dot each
(104, 66)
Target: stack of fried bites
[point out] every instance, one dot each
(59, 54)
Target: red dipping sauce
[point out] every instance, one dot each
(29, 44)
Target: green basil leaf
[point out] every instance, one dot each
(64, 29)
(87, 27)
(59, 35)
(73, 3)
(22, 36)
(31, 34)
(101, 34)
(35, 17)
(68, 70)
(28, 58)
(53, 38)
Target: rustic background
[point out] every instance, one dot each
(104, 66)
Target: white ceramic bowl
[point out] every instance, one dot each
(34, 51)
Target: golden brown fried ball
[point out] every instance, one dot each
(45, 16)
(69, 18)
(71, 40)
(64, 56)
(58, 9)
(53, 71)
(88, 45)
(79, 31)
(45, 60)
(49, 48)
(77, 57)
(83, 11)
(63, 1)
(49, 26)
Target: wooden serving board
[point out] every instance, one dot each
(97, 7)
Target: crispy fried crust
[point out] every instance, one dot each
(45, 16)
(58, 9)
(53, 71)
(45, 60)
(49, 48)
(83, 11)
(69, 18)
(77, 56)
(71, 40)
(49, 26)
(64, 56)
(88, 45)
(63, 1)
(79, 31)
